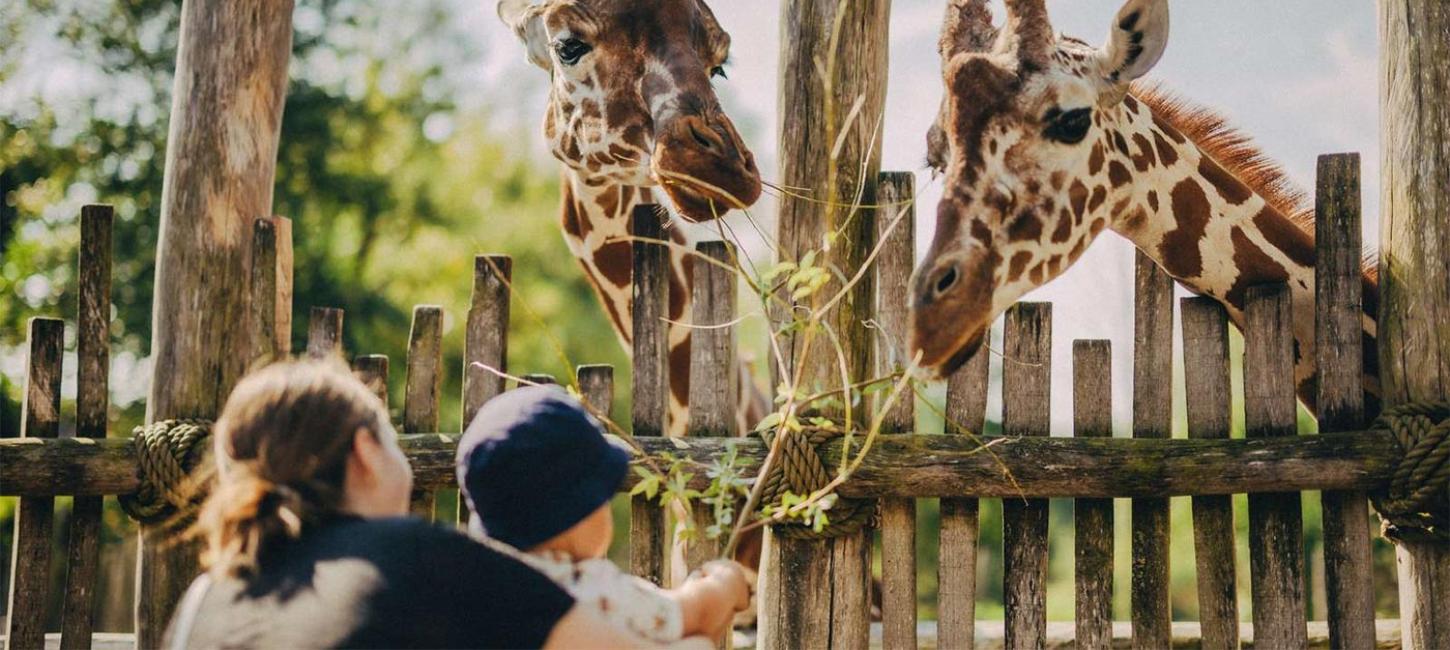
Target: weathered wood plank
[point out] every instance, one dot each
(1092, 412)
(895, 193)
(486, 337)
(372, 371)
(263, 285)
(423, 387)
(714, 395)
(1152, 418)
(282, 236)
(650, 393)
(918, 466)
(1205, 359)
(596, 384)
(1026, 397)
(34, 517)
(231, 78)
(966, 415)
(833, 65)
(324, 333)
(1276, 527)
(1338, 346)
(1414, 348)
(93, 358)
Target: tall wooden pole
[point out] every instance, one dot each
(226, 113)
(1414, 318)
(815, 594)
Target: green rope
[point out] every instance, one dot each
(798, 469)
(166, 452)
(1415, 506)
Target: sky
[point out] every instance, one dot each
(1300, 76)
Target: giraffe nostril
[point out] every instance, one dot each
(704, 137)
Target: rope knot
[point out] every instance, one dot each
(798, 469)
(1415, 505)
(166, 452)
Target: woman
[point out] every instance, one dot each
(306, 543)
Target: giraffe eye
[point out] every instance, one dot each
(1067, 127)
(570, 50)
(718, 71)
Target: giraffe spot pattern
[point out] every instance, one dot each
(1166, 153)
(1254, 266)
(1179, 250)
(1282, 234)
(1231, 189)
(1143, 157)
(1027, 226)
(1018, 265)
(1118, 174)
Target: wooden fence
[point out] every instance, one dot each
(1023, 468)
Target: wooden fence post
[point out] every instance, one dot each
(271, 287)
(1338, 345)
(93, 356)
(1414, 343)
(1152, 418)
(423, 386)
(966, 414)
(1026, 404)
(714, 390)
(1092, 412)
(895, 192)
(817, 593)
(1206, 364)
(372, 371)
(34, 518)
(651, 379)
(596, 385)
(231, 78)
(1276, 527)
(324, 332)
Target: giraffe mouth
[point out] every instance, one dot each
(695, 203)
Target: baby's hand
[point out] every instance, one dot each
(731, 577)
(714, 593)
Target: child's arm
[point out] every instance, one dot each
(709, 599)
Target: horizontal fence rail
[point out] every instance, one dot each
(919, 466)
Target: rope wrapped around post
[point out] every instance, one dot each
(1415, 506)
(167, 453)
(799, 470)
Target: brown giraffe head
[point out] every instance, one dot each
(1021, 138)
(631, 100)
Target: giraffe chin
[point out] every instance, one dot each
(939, 369)
(695, 207)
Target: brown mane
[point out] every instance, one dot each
(1237, 153)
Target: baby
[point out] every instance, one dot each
(537, 474)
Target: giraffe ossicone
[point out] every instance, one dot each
(1044, 142)
(632, 108)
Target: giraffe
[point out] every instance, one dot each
(1045, 142)
(631, 108)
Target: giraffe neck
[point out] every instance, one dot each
(1214, 233)
(595, 215)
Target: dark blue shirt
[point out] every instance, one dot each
(380, 583)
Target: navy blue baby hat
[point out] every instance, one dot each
(533, 463)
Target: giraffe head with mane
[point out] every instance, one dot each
(1045, 141)
(631, 101)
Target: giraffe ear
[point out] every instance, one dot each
(1136, 41)
(527, 20)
